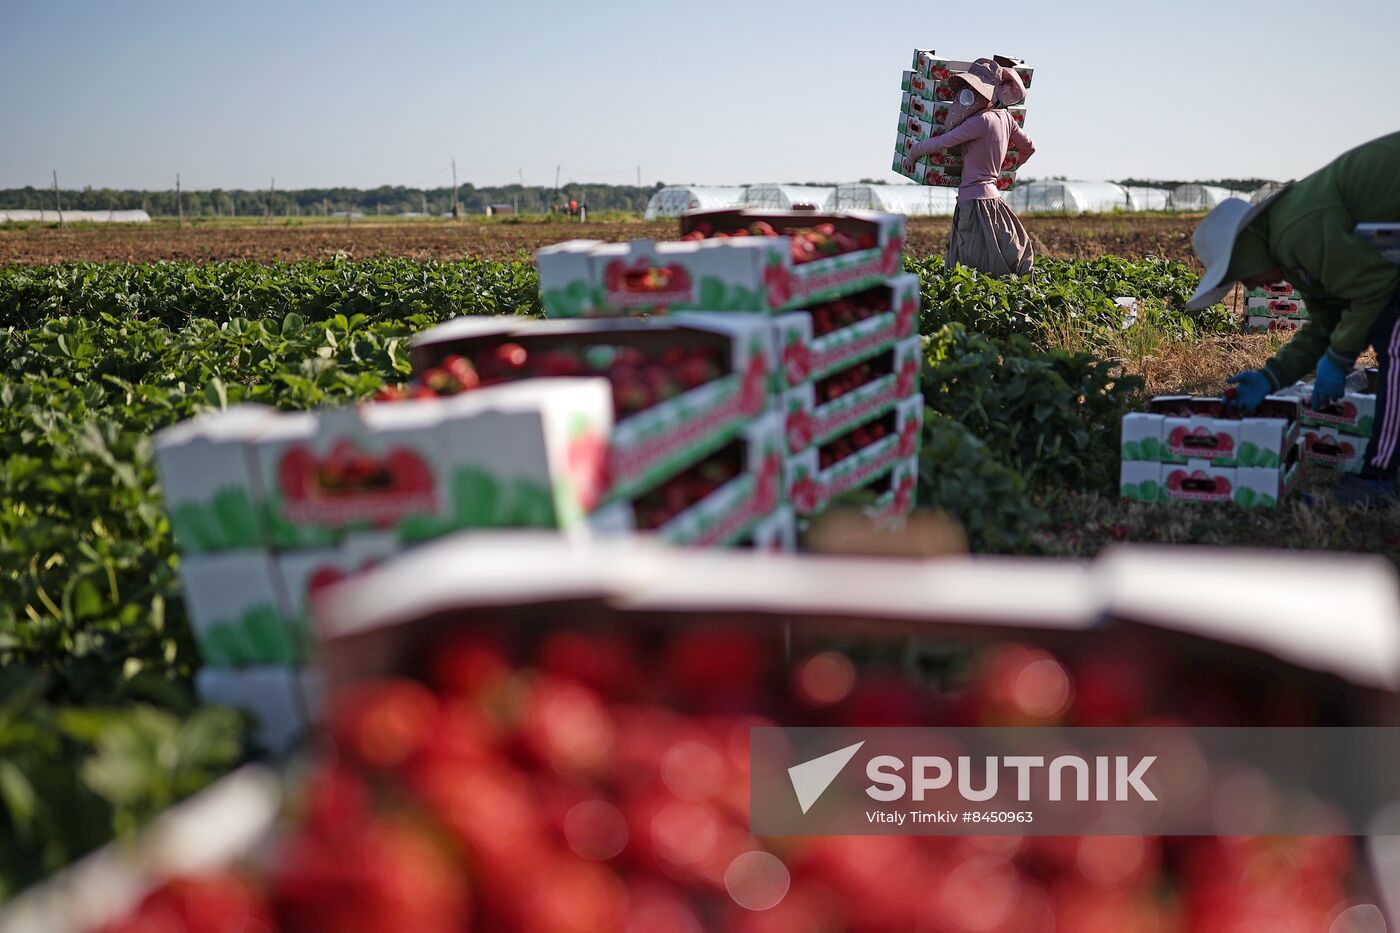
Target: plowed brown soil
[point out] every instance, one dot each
(1060, 237)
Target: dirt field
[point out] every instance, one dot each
(1060, 237)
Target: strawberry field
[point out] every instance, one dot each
(1024, 384)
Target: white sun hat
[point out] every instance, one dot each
(1214, 242)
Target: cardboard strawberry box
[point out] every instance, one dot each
(528, 455)
(712, 503)
(721, 264)
(819, 411)
(915, 83)
(856, 459)
(912, 105)
(682, 386)
(826, 337)
(1181, 429)
(1355, 414)
(822, 256)
(1201, 481)
(1272, 290)
(210, 481)
(1261, 324)
(1330, 447)
(1276, 307)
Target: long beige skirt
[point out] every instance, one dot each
(988, 236)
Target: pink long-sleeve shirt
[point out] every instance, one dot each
(985, 137)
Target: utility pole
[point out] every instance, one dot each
(455, 212)
(639, 176)
(179, 205)
(58, 204)
(556, 190)
(267, 211)
(425, 202)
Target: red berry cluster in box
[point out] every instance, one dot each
(597, 781)
(640, 378)
(855, 440)
(687, 488)
(843, 312)
(821, 241)
(853, 377)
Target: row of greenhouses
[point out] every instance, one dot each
(1050, 196)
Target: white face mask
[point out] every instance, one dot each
(966, 97)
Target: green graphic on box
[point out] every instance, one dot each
(210, 481)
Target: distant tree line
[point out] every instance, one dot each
(318, 201)
(1233, 184)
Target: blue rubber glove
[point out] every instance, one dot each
(1330, 386)
(1250, 388)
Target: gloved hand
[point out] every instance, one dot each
(1250, 388)
(1330, 385)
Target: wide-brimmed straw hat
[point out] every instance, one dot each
(1214, 243)
(983, 77)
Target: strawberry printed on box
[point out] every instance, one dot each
(1177, 429)
(1272, 290)
(821, 339)
(1330, 447)
(819, 411)
(920, 108)
(1289, 307)
(712, 503)
(511, 456)
(682, 385)
(915, 83)
(856, 459)
(210, 481)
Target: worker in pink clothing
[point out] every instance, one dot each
(987, 235)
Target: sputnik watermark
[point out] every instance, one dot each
(1050, 781)
(1114, 777)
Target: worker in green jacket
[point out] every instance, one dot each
(1305, 235)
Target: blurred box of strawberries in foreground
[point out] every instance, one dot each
(523, 734)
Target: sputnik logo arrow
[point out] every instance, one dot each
(811, 778)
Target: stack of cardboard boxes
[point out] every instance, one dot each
(842, 324)
(1185, 449)
(1274, 307)
(268, 507)
(925, 103)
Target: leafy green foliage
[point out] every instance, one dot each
(1065, 294)
(963, 476)
(1046, 415)
(179, 293)
(71, 777)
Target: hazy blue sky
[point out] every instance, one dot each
(334, 92)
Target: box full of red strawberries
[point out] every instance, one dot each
(725, 260)
(527, 735)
